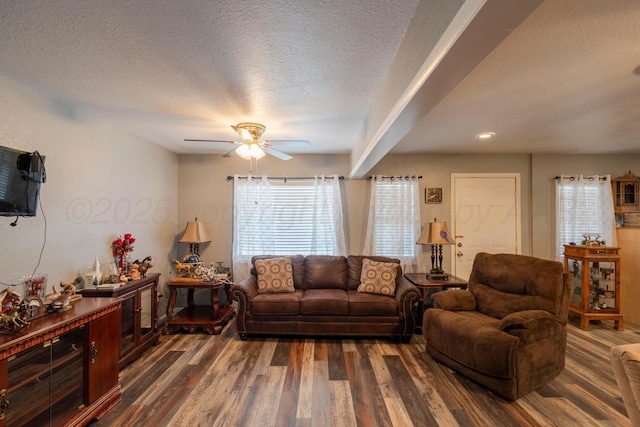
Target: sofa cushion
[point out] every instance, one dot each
(354, 264)
(297, 265)
(364, 304)
(329, 302)
(281, 304)
(325, 272)
(274, 275)
(378, 277)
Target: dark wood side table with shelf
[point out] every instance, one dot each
(429, 287)
(139, 314)
(212, 318)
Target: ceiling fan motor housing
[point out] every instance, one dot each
(255, 130)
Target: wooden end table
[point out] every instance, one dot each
(429, 287)
(212, 318)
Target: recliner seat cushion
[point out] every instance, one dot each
(467, 337)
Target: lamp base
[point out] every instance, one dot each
(438, 277)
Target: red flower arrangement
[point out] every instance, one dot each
(121, 248)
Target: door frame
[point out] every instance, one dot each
(518, 203)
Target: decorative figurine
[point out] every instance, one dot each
(144, 265)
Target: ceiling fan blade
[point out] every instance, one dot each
(212, 140)
(276, 153)
(288, 143)
(230, 153)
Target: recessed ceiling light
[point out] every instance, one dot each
(485, 135)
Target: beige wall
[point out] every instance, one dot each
(205, 193)
(101, 182)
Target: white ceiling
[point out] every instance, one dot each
(365, 77)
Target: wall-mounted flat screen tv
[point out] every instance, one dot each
(21, 175)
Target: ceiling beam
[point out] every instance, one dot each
(478, 27)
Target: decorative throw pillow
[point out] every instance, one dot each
(274, 275)
(378, 277)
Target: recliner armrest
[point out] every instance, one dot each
(454, 300)
(530, 325)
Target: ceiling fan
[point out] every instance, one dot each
(251, 147)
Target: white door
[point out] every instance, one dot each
(486, 217)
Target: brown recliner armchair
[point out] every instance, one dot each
(508, 331)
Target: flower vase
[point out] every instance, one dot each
(121, 262)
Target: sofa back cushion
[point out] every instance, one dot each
(297, 266)
(506, 283)
(354, 263)
(325, 272)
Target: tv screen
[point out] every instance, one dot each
(21, 174)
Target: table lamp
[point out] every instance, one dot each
(436, 234)
(194, 234)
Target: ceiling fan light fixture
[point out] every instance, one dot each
(244, 151)
(250, 151)
(255, 151)
(485, 135)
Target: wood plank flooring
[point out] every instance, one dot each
(204, 380)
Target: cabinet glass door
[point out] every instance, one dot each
(603, 280)
(146, 315)
(67, 375)
(127, 323)
(600, 283)
(45, 383)
(28, 387)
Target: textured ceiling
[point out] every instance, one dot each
(345, 75)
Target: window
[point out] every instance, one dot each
(584, 206)
(286, 218)
(394, 220)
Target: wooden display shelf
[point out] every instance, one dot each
(589, 303)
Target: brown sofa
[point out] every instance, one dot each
(508, 331)
(325, 302)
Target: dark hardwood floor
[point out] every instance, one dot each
(204, 380)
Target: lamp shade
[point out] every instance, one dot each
(436, 233)
(195, 233)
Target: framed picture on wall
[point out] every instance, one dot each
(433, 195)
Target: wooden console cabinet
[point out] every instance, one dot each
(61, 369)
(595, 294)
(139, 314)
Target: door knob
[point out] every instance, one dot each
(459, 245)
(459, 254)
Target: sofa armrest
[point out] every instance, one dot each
(530, 325)
(454, 300)
(406, 294)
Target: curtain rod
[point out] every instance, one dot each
(370, 177)
(285, 179)
(572, 178)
